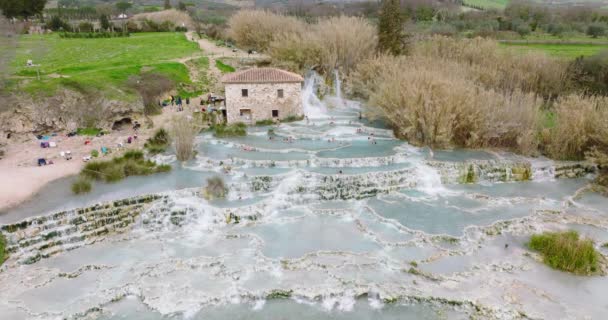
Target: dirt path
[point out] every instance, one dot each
(211, 49)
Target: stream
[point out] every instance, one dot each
(343, 221)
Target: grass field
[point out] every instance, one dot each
(567, 51)
(103, 64)
(486, 4)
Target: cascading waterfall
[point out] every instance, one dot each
(338, 89)
(313, 107)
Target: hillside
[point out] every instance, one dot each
(102, 64)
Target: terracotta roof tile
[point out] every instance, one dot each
(262, 75)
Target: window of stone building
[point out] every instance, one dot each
(280, 93)
(244, 92)
(275, 113)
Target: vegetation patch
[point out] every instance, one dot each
(567, 252)
(3, 253)
(132, 163)
(215, 189)
(234, 130)
(266, 122)
(159, 142)
(88, 131)
(280, 294)
(224, 68)
(292, 119)
(560, 50)
(82, 185)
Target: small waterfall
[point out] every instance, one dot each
(338, 89)
(314, 108)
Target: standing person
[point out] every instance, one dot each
(187, 102)
(172, 100)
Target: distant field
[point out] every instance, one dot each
(568, 51)
(103, 64)
(486, 4)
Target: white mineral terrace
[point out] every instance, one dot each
(336, 224)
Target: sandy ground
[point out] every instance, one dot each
(21, 177)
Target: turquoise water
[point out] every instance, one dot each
(399, 242)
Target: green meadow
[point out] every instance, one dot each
(561, 50)
(103, 64)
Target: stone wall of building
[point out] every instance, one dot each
(262, 98)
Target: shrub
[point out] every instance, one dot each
(596, 30)
(256, 29)
(580, 124)
(234, 130)
(132, 163)
(215, 188)
(267, 122)
(3, 253)
(88, 131)
(344, 42)
(81, 185)
(94, 153)
(292, 118)
(337, 42)
(590, 74)
(500, 69)
(437, 103)
(184, 131)
(567, 252)
(159, 142)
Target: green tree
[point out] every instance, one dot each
(167, 4)
(181, 6)
(390, 27)
(21, 8)
(596, 30)
(105, 23)
(123, 6)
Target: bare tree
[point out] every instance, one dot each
(183, 131)
(150, 86)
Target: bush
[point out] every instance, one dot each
(234, 130)
(523, 30)
(565, 251)
(256, 29)
(132, 163)
(159, 142)
(590, 74)
(94, 153)
(82, 185)
(437, 103)
(337, 42)
(215, 188)
(596, 30)
(88, 131)
(292, 118)
(267, 122)
(3, 253)
(500, 69)
(580, 125)
(183, 133)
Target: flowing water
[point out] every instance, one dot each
(344, 222)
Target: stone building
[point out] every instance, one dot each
(262, 93)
